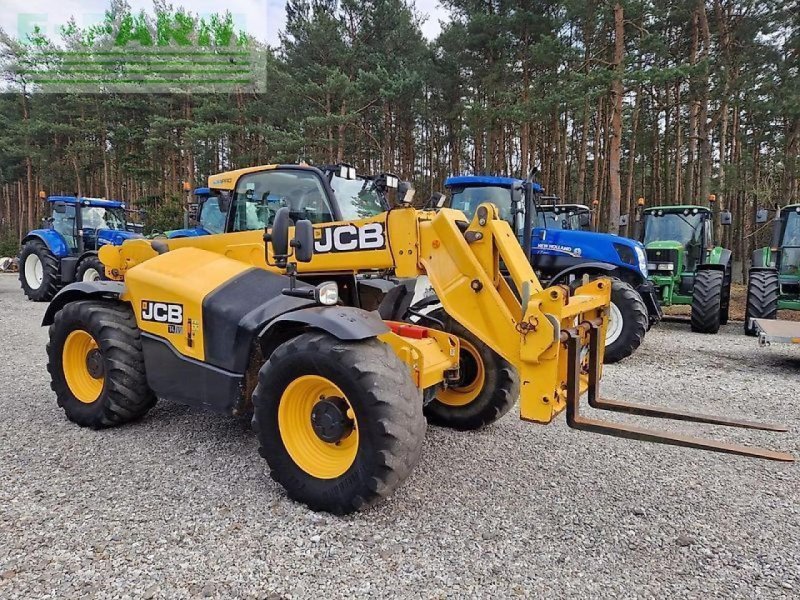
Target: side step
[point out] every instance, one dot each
(576, 421)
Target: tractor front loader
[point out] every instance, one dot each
(251, 321)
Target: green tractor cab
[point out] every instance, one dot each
(685, 265)
(774, 277)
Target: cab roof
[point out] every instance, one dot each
(562, 206)
(101, 202)
(228, 179)
(679, 208)
(475, 180)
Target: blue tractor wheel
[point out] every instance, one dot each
(38, 271)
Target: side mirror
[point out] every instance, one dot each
(762, 215)
(279, 236)
(585, 219)
(623, 221)
(405, 193)
(303, 242)
(437, 200)
(516, 194)
(726, 218)
(60, 208)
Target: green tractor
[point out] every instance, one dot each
(685, 265)
(774, 277)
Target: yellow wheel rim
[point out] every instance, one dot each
(79, 354)
(318, 458)
(474, 374)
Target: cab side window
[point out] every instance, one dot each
(64, 223)
(259, 195)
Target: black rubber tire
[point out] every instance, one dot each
(126, 396)
(500, 390)
(90, 262)
(634, 318)
(50, 277)
(387, 406)
(763, 291)
(725, 303)
(707, 301)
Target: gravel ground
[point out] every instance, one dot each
(181, 506)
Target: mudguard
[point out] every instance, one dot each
(343, 322)
(761, 259)
(83, 290)
(50, 238)
(562, 275)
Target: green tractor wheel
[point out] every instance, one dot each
(707, 296)
(763, 290)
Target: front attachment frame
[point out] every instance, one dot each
(590, 372)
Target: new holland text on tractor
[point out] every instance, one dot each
(66, 249)
(270, 322)
(563, 251)
(774, 277)
(684, 263)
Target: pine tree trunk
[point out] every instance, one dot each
(615, 137)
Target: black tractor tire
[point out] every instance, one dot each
(725, 307)
(494, 398)
(763, 291)
(381, 399)
(707, 301)
(32, 251)
(635, 322)
(90, 269)
(122, 391)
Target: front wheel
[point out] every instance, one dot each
(487, 388)
(38, 271)
(707, 301)
(627, 324)
(763, 291)
(90, 269)
(96, 364)
(340, 423)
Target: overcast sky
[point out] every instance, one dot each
(261, 18)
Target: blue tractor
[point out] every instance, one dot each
(205, 213)
(562, 251)
(66, 249)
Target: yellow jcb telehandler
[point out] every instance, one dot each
(276, 322)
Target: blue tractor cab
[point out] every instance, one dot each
(205, 213)
(66, 249)
(562, 251)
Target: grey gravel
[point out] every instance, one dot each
(181, 506)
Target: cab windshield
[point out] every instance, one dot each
(98, 217)
(357, 198)
(670, 226)
(467, 200)
(549, 219)
(260, 195)
(790, 254)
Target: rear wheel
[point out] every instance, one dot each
(628, 322)
(726, 297)
(707, 301)
(763, 290)
(38, 271)
(487, 388)
(90, 269)
(340, 423)
(96, 364)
